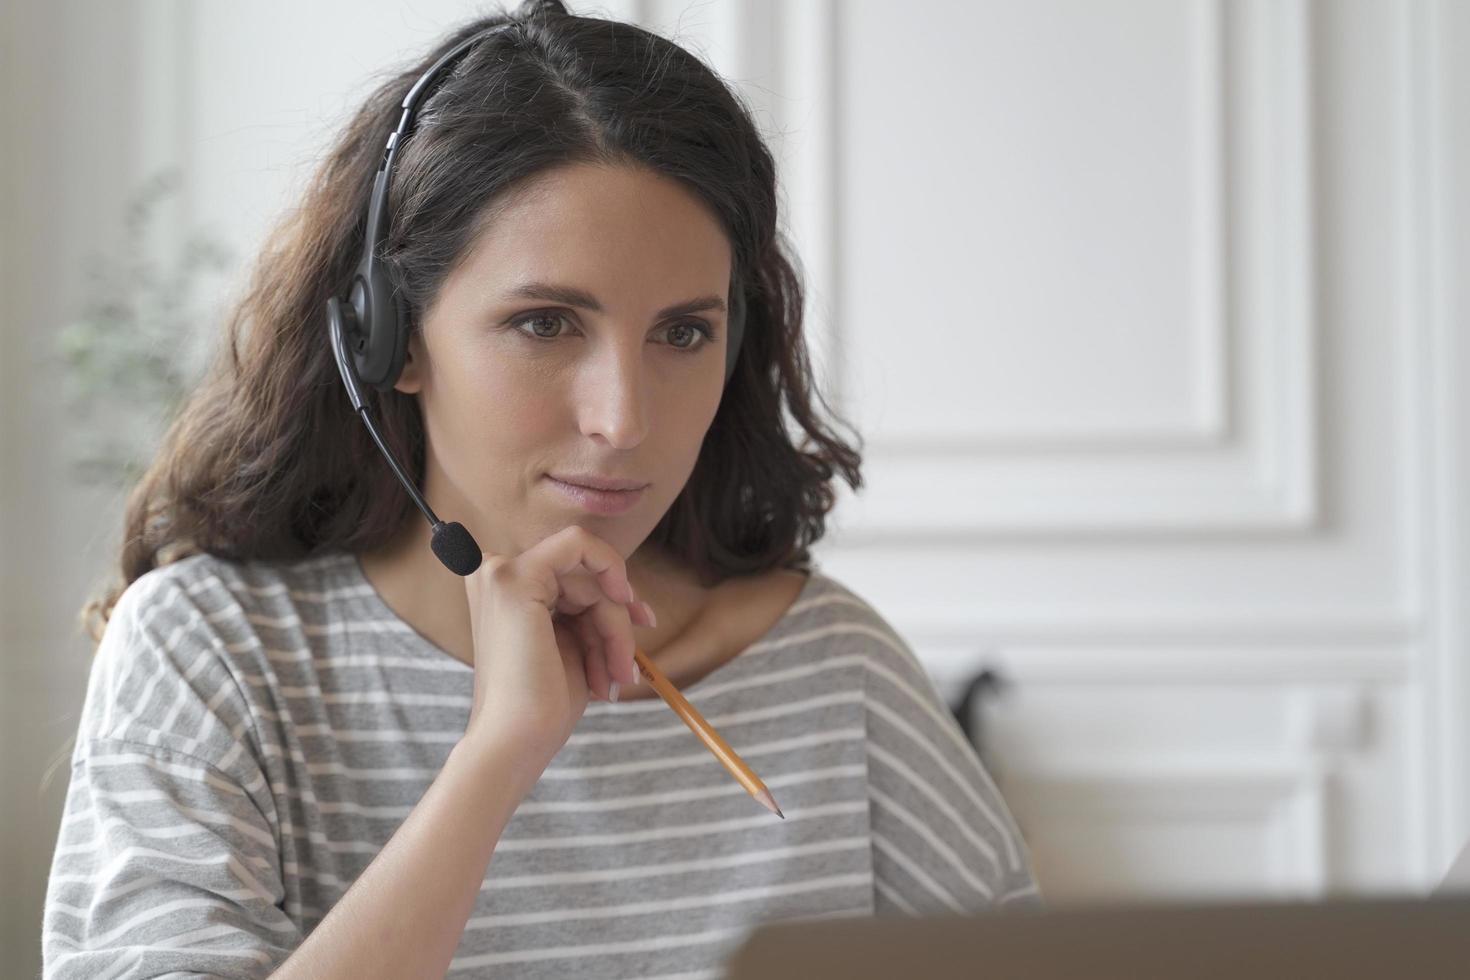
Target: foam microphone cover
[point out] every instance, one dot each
(456, 548)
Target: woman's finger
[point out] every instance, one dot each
(580, 591)
(575, 549)
(577, 573)
(642, 614)
(615, 630)
(594, 659)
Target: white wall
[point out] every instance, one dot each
(1147, 311)
(1183, 467)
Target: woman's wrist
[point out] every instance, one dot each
(504, 754)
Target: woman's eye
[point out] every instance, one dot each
(686, 335)
(540, 318)
(689, 335)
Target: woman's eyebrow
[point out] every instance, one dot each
(572, 296)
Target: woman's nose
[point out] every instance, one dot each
(613, 402)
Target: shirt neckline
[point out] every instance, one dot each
(355, 570)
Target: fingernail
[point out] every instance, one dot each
(612, 690)
(649, 610)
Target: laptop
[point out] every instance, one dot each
(1457, 878)
(1345, 939)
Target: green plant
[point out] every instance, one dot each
(134, 349)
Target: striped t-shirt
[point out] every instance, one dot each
(253, 733)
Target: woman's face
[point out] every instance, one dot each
(516, 387)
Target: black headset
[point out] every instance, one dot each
(369, 329)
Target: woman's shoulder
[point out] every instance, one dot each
(180, 668)
(222, 589)
(832, 611)
(830, 635)
(206, 614)
(832, 598)
(832, 603)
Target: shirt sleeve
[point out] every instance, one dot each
(944, 841)
(167, 863)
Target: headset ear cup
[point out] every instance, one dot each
(357, 321)
(399, 353)
(379, 326)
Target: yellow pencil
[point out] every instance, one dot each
(707, 735)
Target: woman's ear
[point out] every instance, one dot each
(410, 379)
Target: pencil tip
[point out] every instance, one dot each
(768, 801)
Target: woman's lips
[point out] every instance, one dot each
(597, 501)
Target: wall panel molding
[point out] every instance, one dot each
(1283, 800)
(1255, 471)
(1433, 202)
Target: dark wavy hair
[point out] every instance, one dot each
(265, 459)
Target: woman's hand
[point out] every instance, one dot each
(552, 628)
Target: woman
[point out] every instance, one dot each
(310, 749)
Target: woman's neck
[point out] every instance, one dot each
(429, 597)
